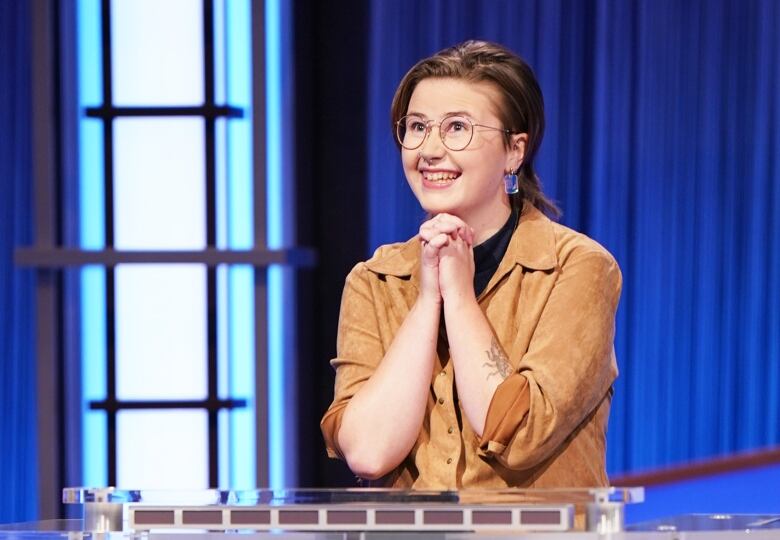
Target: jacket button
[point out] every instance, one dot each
(450, 430)
(441, 401)
(449, 460)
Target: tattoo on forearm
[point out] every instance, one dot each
(497, 361)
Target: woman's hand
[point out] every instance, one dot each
(456, 263)
(446, 236)
(431, 240)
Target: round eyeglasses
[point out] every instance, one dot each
(455, 131)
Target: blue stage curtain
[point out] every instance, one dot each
(18, 477)
(663, 143)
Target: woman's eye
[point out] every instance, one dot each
(456, 126)
(416, 126)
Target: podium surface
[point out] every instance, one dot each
(110, 513)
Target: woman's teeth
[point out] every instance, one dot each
(441, 176)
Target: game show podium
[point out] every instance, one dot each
(110, 513)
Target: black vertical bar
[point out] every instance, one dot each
(108, 131)
(108, 208)
(42, 82)
(211, 237)
(262, 477)
(210, 121)
(213, 412)
(59, 224)
(111, 431)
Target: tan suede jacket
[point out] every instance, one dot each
(551, 305)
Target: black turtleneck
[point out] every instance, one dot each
(489, 253)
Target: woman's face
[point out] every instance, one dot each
(466, 183)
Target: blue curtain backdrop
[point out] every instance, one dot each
(662, 143)
(18, 493)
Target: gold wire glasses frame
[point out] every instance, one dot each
(455, 131)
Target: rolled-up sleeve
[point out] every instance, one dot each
(567, 370)
(358, 352)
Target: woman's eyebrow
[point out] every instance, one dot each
(445, 115)
(458, 113)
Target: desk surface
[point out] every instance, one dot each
(111, 513)
(695, 526)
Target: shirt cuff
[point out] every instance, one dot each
(506, 412)
(330, 425)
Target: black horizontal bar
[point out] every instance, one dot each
(208, 111)
(114, 405)
(62, 257)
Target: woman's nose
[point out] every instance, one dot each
(432, 147)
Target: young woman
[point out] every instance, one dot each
(480, 352)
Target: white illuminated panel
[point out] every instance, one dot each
(157, 52)
(159, 184)
(161, 330)
(162, 449)
(159, 203)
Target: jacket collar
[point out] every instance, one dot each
(532, 246)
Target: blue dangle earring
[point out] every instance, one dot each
(510, 183)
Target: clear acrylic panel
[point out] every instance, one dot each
(500, 510)
(159, 183)
(157, 52)
(162, 449)
(323, 496)
(161, 341)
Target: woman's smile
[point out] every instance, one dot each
(438, 178)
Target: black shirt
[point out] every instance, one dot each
(489, 253)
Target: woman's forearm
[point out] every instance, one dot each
(479, 361)
(382, 420)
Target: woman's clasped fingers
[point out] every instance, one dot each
(446, 224)
(427, 232)
(454, 226)
(439, 241)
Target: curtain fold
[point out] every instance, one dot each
(18, 477)
(662, 144)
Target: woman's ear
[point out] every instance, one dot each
(516, 154)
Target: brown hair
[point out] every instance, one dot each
(522, 109)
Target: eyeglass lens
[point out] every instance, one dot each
(455, 131)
